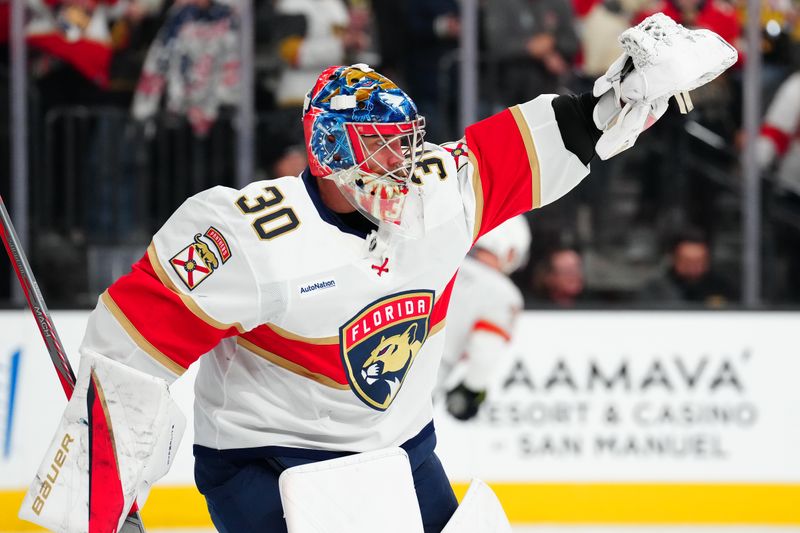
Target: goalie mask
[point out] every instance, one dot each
(364, 133)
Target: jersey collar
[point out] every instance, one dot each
(325, 213)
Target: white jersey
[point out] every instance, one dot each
(483, 308)
(308, 334)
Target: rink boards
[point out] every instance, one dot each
(592, 418)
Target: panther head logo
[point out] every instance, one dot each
(379, 345)
(390, 356)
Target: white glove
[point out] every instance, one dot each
(661, 59)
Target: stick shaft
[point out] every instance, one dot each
(36, 302)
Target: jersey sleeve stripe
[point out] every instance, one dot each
(485, 325)
(557, 170)
(533, 159)
(190, 304)
(315, 359)
(504, 169)
(478, 188)
(291, 366)
(137, 337)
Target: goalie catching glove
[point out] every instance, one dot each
(661, 59)
(118, 435)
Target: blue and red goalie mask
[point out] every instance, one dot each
(365, 134)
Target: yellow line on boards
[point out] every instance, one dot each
(648, 503)
(175, 507)
(166, 507)
(564, 503)
(10, 500)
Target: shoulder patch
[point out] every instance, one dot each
(196, 262)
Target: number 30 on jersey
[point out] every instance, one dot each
(272, 221)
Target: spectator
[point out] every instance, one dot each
(309, 35)
(716, 16)
(779, 139)
(778, 154)
(358, 38)
(291, 162)
(780, 40)
(434, 27)
(559, 279)
(600, 27)
(75, 32)
(195, 60)
(313, 39)
(689, 277)
(135, 27)
(391, 27)
(534, 44)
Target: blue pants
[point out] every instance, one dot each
(243, 497)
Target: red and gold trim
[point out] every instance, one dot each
(177, 335)
(533, 158)
(141, 342)
(318, 360)
(478, 190)
(505, 164)
(162, 275)
(294, 336)
(291, 366)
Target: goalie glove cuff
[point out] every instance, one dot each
(578, 131)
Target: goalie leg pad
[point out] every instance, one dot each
(118, 435)
(479, 512)
(362, 493)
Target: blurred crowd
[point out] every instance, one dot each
(132, 108)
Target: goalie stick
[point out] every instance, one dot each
(133, 522)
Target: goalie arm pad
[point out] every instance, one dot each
(117, 436)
